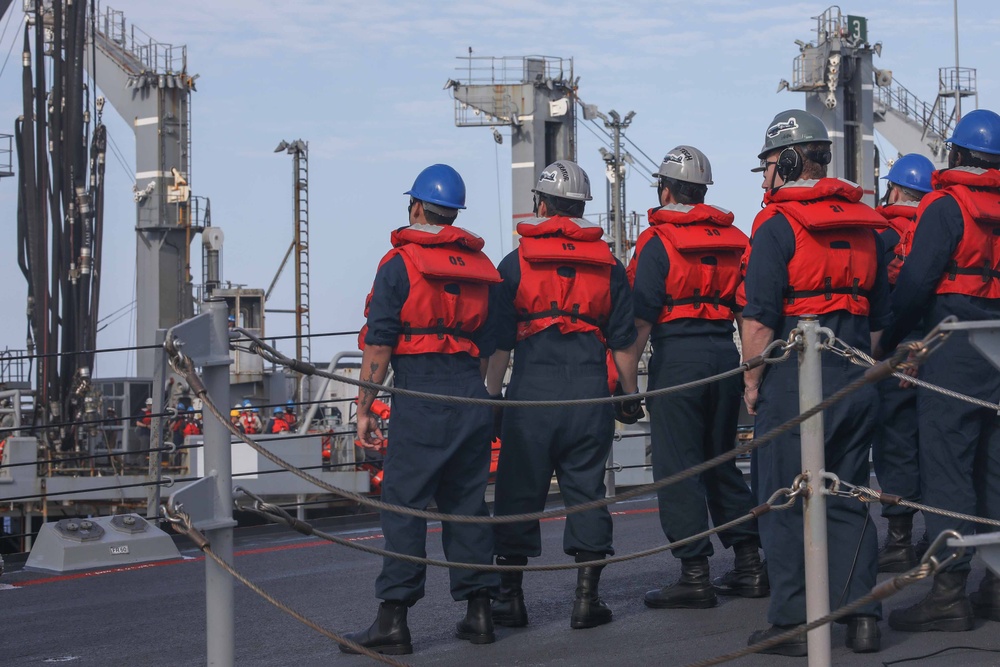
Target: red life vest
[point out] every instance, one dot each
(279, 426)
(449, 279)
(145, 420)
(565, 277)
(192, 428)
(974, 268)
(835, 260)
(704, 250)
(902, 218)
(249, 423)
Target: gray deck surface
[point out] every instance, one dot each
(156, 615)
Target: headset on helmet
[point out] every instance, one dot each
(439, 185)
(686, 164)
(790, 128)
(978, 130)
(912, 171)
(564, 180)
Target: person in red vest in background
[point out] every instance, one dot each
(191, 426)
(278, 424)
(249, 419)
(896, 444)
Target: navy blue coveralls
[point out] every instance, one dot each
(960, 466)
(574, 442)
(438, 453)
(847, 427)
(693, 426)
(895, 444)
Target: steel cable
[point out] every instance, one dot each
(273, 512)
(270, 354)
(185, 368)
(865, 494)
(928, 565)
(183, 526)
(860, 358)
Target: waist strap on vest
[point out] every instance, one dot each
(554, 311)
(828, 291)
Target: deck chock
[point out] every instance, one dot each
(110, 541)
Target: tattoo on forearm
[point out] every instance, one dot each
(366, 396)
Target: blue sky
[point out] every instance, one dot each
(362, 83)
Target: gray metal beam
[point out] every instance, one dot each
(134, 78)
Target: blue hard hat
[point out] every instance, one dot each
(978, 130)
(278, 411)
(439, 184)
(191, 410)
(180, 406)
(913, 171)
(247, 403)
(256, 409)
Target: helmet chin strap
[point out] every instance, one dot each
(772, 187)
(888, 191)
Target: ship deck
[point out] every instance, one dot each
(154, 615)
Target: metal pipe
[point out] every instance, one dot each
(958, 76)
(307, 419)
(220, 615)
(814, 514)
(156, 426)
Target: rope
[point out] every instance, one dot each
(270, 354)
(182, 524)
(273, 512)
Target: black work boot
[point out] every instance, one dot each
(508, 609)
(477, 626)
(986, 601)
(388, 634)
(863, 634)
(692, 591)
(588, 609)
(946, 608)
(796, 647)
(898, 554)
(922, 545)
(748, 578)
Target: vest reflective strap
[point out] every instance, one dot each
(828, 291)
(555, 311)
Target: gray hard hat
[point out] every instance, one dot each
(791, 127)
(687, 164)
(564, 179)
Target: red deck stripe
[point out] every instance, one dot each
(307, 542)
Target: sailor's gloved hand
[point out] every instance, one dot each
(628, 412)
(497, 415)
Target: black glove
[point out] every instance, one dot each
(497, 416)
(628, 412)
